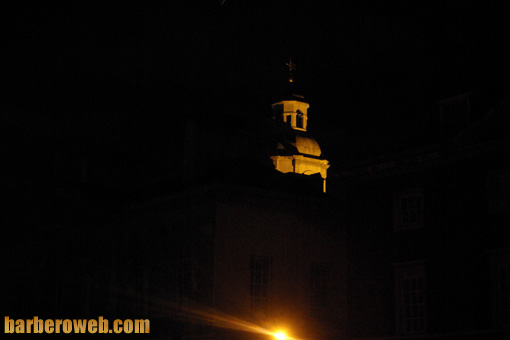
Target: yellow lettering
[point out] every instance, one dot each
(128, 326)
(103, 325)
(29, 324)
(48, 326)
(9, 325)
(142, 326)
(20, 326)
(80, 325)
(38, 325)
(67, 326)
(58, 323)
(92, 326)
(117, 326)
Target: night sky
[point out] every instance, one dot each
(120, 80)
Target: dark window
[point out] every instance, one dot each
(410, 298)
(260, 280)
(413, 303)
(501, 287)
(498, 187)
(299, 119)
(319, 289)
(503, 293)
(408, 209)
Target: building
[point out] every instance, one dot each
(231, 249)
(221, 259)
(428, 237)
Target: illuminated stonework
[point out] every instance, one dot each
(294, 113)
(298, 152)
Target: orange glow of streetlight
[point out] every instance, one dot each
(280, 336)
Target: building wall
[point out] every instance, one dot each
(451, 245)
(296, 233)
(186, 259)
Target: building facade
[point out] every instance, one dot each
(428, 237)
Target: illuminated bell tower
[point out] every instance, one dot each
(296, 150)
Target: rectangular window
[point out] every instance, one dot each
(498, 191)
(503, 293)
(319, 289)
(260, 280)
(408, 209)
(414, 304)
(410, 297)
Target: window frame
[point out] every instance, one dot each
(498, 191)
(501, 312)
(407, 323)
(261, 272)
(398, 211)
(319, 288)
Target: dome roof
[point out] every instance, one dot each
(294, 142)
(307, 145)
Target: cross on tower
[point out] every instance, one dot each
(292, 67)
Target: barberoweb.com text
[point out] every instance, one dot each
(99, 325)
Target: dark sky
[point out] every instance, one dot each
(125, 76)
